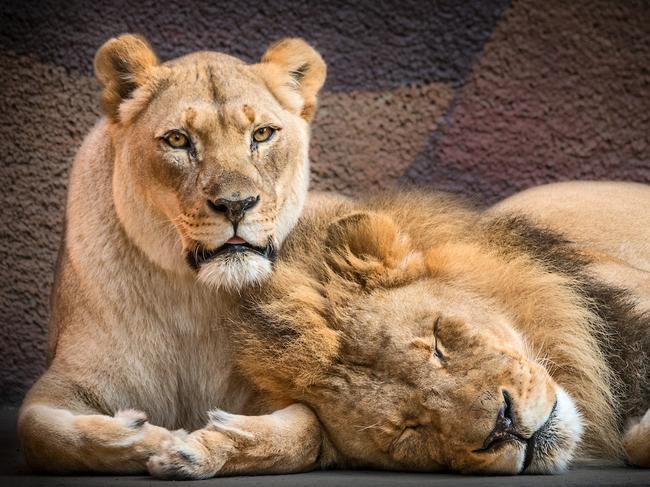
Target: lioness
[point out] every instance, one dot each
(185, 189)
(426, 335)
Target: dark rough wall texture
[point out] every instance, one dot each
(482, 98)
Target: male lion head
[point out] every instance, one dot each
(210, 153)
(405, 370)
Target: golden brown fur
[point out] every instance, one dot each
(400, 321)
(133, 324)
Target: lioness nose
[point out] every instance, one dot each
(234, 210)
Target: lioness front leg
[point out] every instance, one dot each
(58, 441)
(637, 442)
(60, 434)
(286, 441)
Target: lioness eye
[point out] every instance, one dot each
(177, 140)
(263, 134)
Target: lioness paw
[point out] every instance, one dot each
(175, 460)
(636, 442)
(200, 455)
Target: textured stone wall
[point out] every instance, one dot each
(482, 98)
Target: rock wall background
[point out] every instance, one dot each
(481, 98)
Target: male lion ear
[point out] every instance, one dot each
(368, 248)
(295, 73)
(122, 64)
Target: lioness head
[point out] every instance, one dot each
(407, 371)
(210, 153)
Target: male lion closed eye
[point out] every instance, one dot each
(423, 335)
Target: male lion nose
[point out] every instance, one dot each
(505, 418)
(234, 210)
(505, 428)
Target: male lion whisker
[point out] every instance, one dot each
(487, 395)
(370, 426)
(543, 359)
(550, 365)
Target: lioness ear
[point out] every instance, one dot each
(295, 73)
(122, 64)
(368, 248)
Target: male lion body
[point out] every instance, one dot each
(186, 188)
(611, 220)
(411, 323)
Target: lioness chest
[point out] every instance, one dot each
(187, 371)
(160, 346)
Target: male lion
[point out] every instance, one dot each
(185, 190)
(426, 335)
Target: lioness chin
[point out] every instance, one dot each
(181, 194)
(416, 333)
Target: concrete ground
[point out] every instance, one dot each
(14, 472)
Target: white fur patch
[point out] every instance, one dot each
(572, 424)
(567, 427)
(235, 271)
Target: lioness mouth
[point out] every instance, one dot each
(234, 246)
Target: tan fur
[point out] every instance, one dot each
(611, 220)
(364, 296)
(133, 325)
